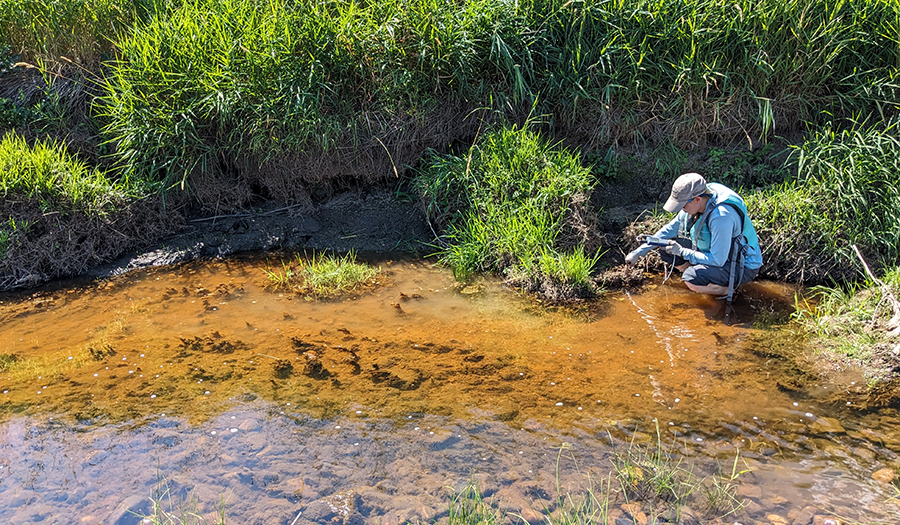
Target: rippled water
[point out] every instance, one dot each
(199, 381)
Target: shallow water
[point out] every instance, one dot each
(199, 380)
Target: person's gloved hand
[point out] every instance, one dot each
(632, 258)
(673, 248)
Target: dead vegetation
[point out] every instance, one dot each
(55, 244)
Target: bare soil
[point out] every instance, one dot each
(375, 221)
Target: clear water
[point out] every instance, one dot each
(200, 384)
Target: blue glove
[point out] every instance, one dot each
(673, 248)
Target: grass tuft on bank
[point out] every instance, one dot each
(46, 177)
(510, 205)
(46, 173)
(60, 216)
(855, 319)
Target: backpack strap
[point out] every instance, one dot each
(736, 254)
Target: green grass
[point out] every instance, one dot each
(846, 192)
(195, 87)
(322, 275)
(198, 80)
(856, 175)
(659, 476)
(799, 242)
(574, 267)
(849, 318)
(504, 206)
(54, 30)
(46, 173)
(651, 477)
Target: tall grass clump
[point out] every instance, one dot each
(82, 31)
(846, 192)
(47, 174)
(203, 81)
(856, 173)
(504, 207)
(767, 59)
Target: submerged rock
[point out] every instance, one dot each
(885, 475)
(338, 509)
(824, 520)
(131, 511)
(828, 425)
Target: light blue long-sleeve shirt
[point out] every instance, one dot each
(713, 244)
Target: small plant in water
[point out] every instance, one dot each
(322, 274)
(468, 507)
(168, 509)
(646, 473)
(657, 478)
(652, 481)
(46, 365)
(280, 278)
(720, 492)
(7, 360)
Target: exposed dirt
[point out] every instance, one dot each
(373, 222)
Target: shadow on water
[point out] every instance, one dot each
(225, 388)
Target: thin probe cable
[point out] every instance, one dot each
(667, 272)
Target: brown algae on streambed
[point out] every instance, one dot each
(185, 341)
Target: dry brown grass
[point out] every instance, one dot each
(67, 244)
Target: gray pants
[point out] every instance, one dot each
(701, 274)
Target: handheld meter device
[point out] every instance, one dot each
(655, 241)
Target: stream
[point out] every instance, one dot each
(199, 385)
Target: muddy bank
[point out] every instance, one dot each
(373, 221)
(376, 221)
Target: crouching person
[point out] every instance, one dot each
(711, 240)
